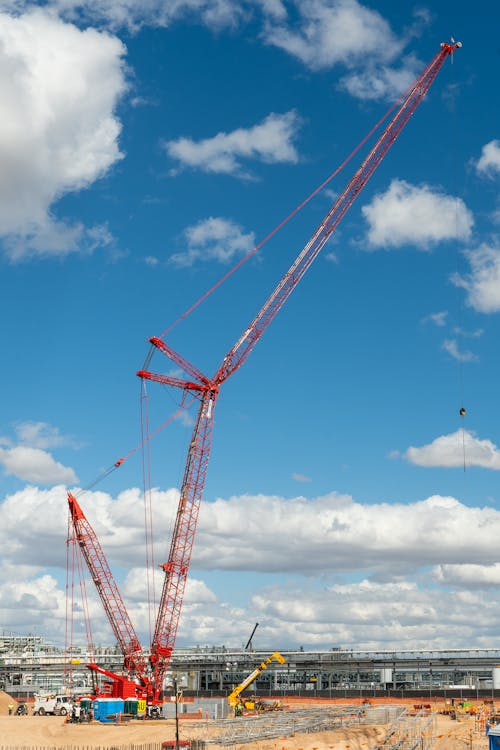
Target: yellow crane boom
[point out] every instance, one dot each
(234, 698)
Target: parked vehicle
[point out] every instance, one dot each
(55, 705)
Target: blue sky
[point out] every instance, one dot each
(146, 147)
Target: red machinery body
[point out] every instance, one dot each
(149, 676)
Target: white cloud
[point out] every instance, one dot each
(468, 334)
(439, 318)
(329, 32)
(468, 576)
(66, 82)
(451, 346)
(27, 458)
(381, 81)
(448, 451)
(216, 14)
(135, 587)
(379, 615)
(216, 239)
(325, 33)
(334, 533)
(300, 477)
(387, 545)
(35, 465)
(40, 435)
(271, 141)
(274, 9)
(33, 605)
(415, 215)
(483, 281)
(331, 533)
(489, 162)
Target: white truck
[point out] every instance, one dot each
(54, 705)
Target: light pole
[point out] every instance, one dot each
(176, 714)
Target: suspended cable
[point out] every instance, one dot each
(458, 270)
(462, 413)
(85, 605)
(66, 628)
(290, 216)
(243, 260)
(122, 460)
(146, 490)
(73, 545)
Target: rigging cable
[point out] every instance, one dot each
(120, 461)
(146, 486)
(66, 627)
(290, 216)
(85, 604)
(243, 260)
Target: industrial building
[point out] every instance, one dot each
(30, 664)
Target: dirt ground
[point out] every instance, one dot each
(53, 731)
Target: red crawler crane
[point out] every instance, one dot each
(207, 390)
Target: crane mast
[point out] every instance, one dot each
(207, 390)
(176, 569)
(118, 617)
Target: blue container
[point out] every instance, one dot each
(494, 738)
(107, 710)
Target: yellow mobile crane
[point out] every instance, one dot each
(234, 698)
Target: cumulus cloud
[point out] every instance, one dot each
(468, 576)
(26, 457)
(372, 615)
(213, 239)
(35, 465)
(325, 537)
(301, 477)
(40, 435)
(329, 32)
(489, 162)
(331, 533)
(415, 215)
(216, 14)
(381, 81)
(448, 451)
(271, 141)
(482, 283)
(33, 605)
(439, 318)
(66, 82)
(325, 33)
(451, 346)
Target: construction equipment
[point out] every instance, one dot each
(234, 698)
(144, 675)
(55, 705)
(249, 642)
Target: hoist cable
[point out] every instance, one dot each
(458, 268)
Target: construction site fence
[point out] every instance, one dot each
(417, 695)
(113, 746)
(195, 745)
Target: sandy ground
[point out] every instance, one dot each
(56, 732)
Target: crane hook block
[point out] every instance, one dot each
(462, 412)
(119, 462)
